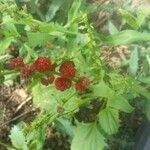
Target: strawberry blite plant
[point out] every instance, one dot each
(59, 51)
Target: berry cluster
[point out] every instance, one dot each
(66, 76)
(17, 63)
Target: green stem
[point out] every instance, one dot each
(48, 118)
(45, 120)
(69, 98)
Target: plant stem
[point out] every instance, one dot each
(69, 98)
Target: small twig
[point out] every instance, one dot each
(23, 103)
(11, 97)
(17, 117)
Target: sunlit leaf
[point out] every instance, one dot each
(18, 139)
(54, 7)
(43, 97)
(120, 103)
(112, 28)
(109, 120)
(133, 62)
(126, 37)
(129, 18)
(145, 80)
(88, 137)
(38, 39)
(4, 44)
(74, 10)
(101, 90)
(35, 9)
(65, 126)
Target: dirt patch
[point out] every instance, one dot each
(56, 141)
(14, 107)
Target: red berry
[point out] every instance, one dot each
(26, 71)
(16, 63)
(47, 81)
(82, 84)
(62, 84)
(67, 69)
(43, 64)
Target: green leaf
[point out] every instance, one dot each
(18, 139)
(54, 7)
(133, 62)
(35, 9)
(87, 137)
(43, 97)
(142, 91)
(9, 26)
(120, 103)
(4, 44)
(38, 38)
(71, 43)
(51, 28)
(148, 109)
(82, 39)
(74, 10)
(69, 100)
(141, 17)
(126, 37)
(28, 53)
(64, 11)
(21, 29)
(101, 90)
(112, 29)
(73, 104)
(145, 80)
(40, 139)
(148, 59)
(18, 3)
(146, 94)
(109, 120)
(129, 18)
(65, 126)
